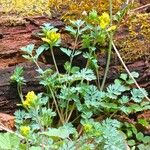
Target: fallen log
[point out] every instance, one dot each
(9, 96)
(12, 38)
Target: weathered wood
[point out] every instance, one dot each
(9, 97)
(8, 92)
(12, 38)
(7, 121)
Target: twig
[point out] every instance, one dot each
(126, 68)
(144, 6)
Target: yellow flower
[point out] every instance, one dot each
(25, 130)
(112, 28)
(88, 127)
(26, 103)
(31, 96)
(30, 99)
(51, 37)
(104, 20)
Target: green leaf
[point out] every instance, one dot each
(146, 139)
(130, 81)
(86, 74)
(68, 52)
(35, 148)
(28, 57)
(135, 108)
(129, 133)
(114, 90)
(17, 75)
(47, 26)
(139, 136)
(137, 95)
(78, 23)
(93, 16)
(28, 49)
(134, 130)
(68, 145)
(62, 132)
(71, 30)
(67, 66)
(75, 69)
(143, 147)
(40, 50)
(93, 97)
(143, 122)
(46, 116)
(135, 74)
(123, 76)
(86, 41)
(77, 53)
(131, 142)
(110, 106)
(9, 141)
(22, 146)
(126, 110)
(124, 99)
(117, 81)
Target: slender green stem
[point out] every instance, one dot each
(54, 60)
(71, 59)
(66, 112)
(58, 111)
(70, 113)
(97, 74)
(76, 118)
(109, 50)
(74, 48)
(37, 65)
(19, 88)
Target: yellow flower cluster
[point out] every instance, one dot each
(88, 127)
(104, 20)
(30, 99)
(51, 37)
(25, 130)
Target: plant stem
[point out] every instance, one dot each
(97, 74)
(19, 88)
(52, 53)
(70, 113)
(66, 112)
(39, 68)
(109, 50)
(71, 59)
(74, 48)
(58, 111)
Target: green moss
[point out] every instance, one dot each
(26, 7)
(135, 42)
(6, 20)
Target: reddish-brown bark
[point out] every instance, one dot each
(12, 38)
